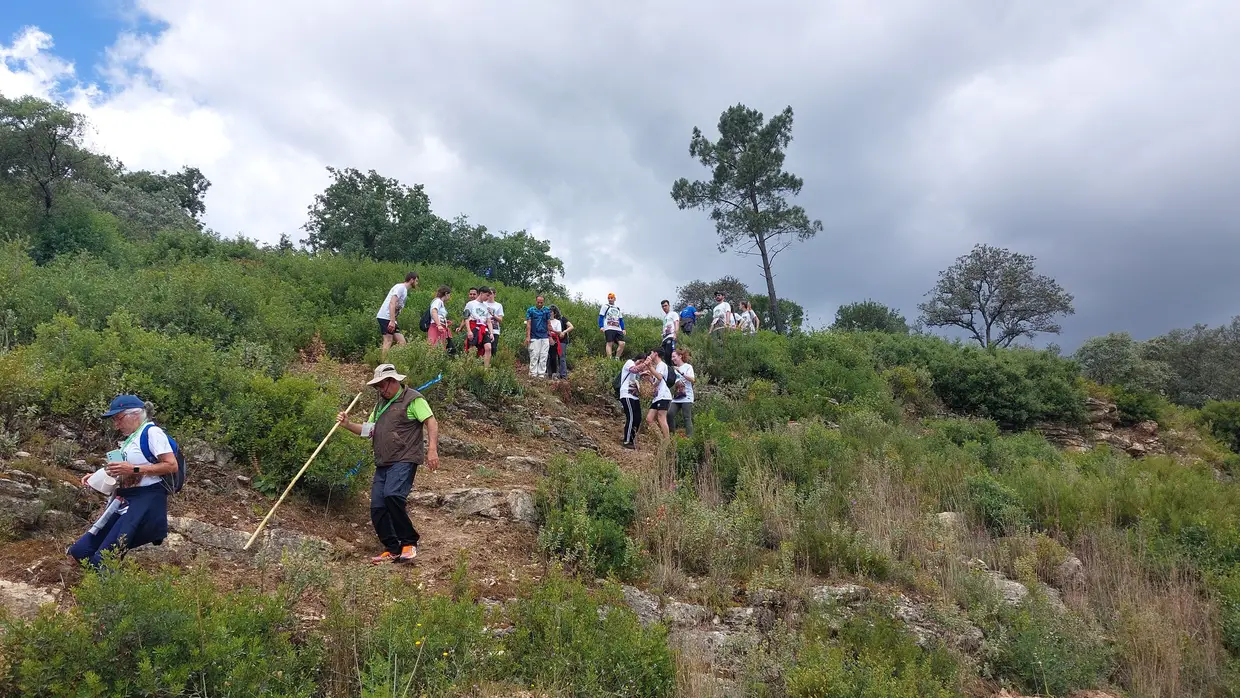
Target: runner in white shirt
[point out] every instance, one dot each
(721, 316)
(630, 399)
(392, 305)
(480, 327)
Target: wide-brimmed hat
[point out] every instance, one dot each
(384, 372)
(124, 402)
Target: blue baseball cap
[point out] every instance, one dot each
(124, 402)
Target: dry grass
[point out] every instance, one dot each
(1164, 627)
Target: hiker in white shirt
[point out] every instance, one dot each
(392, 305)
(721, 316)
(611, 324)
(439, 331)
(682, 392)
(671, 330)
(656, 372)
(480, 327)
(496, 309)
(747, 320)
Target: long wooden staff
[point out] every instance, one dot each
(299, 473)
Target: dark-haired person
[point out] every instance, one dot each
(439, 331)
(465, 318)
(405, 434)
(682, 392)
(561, 328)
(137, 512)
(671, 330)
(392, 305)
(480, 326)
(538, 336)
(630, 399)
(747, 320)
(721, 314)
(656, 372)
(496, 309)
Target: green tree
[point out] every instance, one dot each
(701, 294)
(41, 146)
(368, 214)
(747, 195)
(791, 311)
(1118, 359)
(187, 187)
(1203, 362)
(995, 289)
(869, 316)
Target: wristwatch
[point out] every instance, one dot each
(137, 469)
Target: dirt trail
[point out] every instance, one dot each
(501, 553)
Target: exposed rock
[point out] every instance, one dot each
(22, 454)
(567, 432)
(1147, 429)
(685, 615)
(526, 464)
(644, 605)
(243, 480)
(767, 598)
(292, 541)
(167, 553)
(842, 594)
(1070, 572)
(521, 507)
(24, 511)
(199, 452)
(1011, 591)
(426, 499)
(203, 533)
(457, 448)
(476, 501)
(970, 639)
(13, 488)
(54, 520)
(1066, 437)
(23, 600)
(81, 466)
(1136, 449)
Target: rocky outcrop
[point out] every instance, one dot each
(272, 540)
(456, 448)
(514, 505)
(26, 497)
(569, 433)
(24, 600)
(1102, 425)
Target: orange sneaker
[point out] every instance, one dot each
(383, 557)
(407, 553)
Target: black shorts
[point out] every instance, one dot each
(660, 405)
(383, 330)
(613, 336)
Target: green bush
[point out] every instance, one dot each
(997, 506)
(870, 655)
(137, 633)
(1137, 405)
(1223, 420)
(565, 641)
(1052, 652)
(587, 504)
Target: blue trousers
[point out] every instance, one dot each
(388, 493)
(142, 518)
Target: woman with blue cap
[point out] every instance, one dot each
(137, 511)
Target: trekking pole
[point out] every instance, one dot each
(299, 473)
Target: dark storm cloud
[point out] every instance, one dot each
(1101, 136)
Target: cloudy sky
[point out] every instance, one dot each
(1101, 136)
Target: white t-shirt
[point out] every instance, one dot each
(686, 371)
(662, 392)
(476, 310)
(719, 316)
(401, 292)
(497, 311)
(556, 326)
(611, 316)
(669, 324)
(158, 442)
(746, 321)
(437, 305)
(629, 381)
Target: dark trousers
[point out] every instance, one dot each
(388, 493)
(669, 346)
(684, 410)
(142, 518)
(632, 418)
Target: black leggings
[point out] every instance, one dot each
(632, 418)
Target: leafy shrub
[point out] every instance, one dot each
(961, 431)
(1223, 420)
(587, 504)
(1137, 405)
(913, 387)
(566, 641)
(1052, 652)
(872, 655)
(997, 506)
(138, 633)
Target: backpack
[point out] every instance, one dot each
(615, 384)
(425, 323)
(672, 377)
(174, 482)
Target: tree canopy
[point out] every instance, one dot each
(747, 194)
(869, 316)
(993, 289)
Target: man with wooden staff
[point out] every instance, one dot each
(396, 426)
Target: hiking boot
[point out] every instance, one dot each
(630, 446)
(407, 553)
(383, 557)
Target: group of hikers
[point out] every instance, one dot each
(148, 467)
